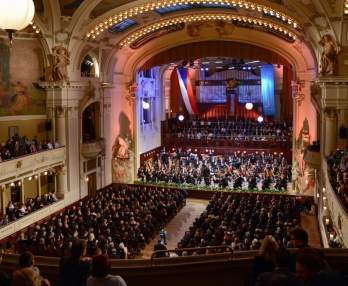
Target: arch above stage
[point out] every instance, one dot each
(215, 49)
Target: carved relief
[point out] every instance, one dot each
(131, 92)
(328, 55)
(222, 28)
(297, 93)
(59, 61)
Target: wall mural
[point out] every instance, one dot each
(68, 7)
(122, 152)
(20, 69)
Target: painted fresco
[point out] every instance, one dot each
(68, 7)
(20, 69)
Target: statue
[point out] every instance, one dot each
(328, 55)
(122, 160)
(121, 148)
(59, 60)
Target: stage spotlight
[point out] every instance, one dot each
(249, 106)
(181, 117)
(146, 105)
(260, 119)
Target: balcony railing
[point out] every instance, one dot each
(338, 211)
(29, 219)
(312, 158)
(92, 149)
(15, 168)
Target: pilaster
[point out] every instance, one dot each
(63, 104)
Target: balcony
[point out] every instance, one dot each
(336, 206)
(92, 149)
(20, 166)
(312, 158)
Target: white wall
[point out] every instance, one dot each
(149, 135)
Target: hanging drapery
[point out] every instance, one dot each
(185, 78)
(286, 98)
(267, 90)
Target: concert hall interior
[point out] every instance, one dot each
(191, 142)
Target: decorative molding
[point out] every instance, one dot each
(103, 23)
(23, 117)
(297, 93)
(131, 92)
(201, 18)
(331, 113)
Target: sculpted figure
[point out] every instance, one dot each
(328, 55)
(59, 61)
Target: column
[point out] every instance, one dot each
(39, 185)
(330, 131)
(106, 93)
(2, 198)
(62, 182)
(60, 127)
(22, 190)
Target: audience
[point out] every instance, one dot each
(266, 260)
(100, 273)
(237, 129)
(26, 277)
(27, 261)
(242, 221)
(338, 170)
(313, 269)
(17, 146)
(118, 221)
(74, 269)
(4, 278)
(17, 210)
(281, 275)
(237, 171)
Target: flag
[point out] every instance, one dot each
(185, 78)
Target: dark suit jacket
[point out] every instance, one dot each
(279, 277)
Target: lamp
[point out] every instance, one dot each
(145, 104)
(181, 117)
(249, 106)
(15, 15)
(260, 119)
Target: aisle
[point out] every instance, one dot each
(310, 224)
(178, 225)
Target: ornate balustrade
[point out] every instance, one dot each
(92, 149)
(32, 163)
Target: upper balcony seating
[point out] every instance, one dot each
(229, 132)
(15, 211)
(338, 174)
(20, 146)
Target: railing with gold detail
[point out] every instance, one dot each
(35, 162)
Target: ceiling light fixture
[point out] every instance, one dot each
(16, 15)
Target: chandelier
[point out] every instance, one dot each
(15, 15)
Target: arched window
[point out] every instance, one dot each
(89, 67)
(91, 123)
